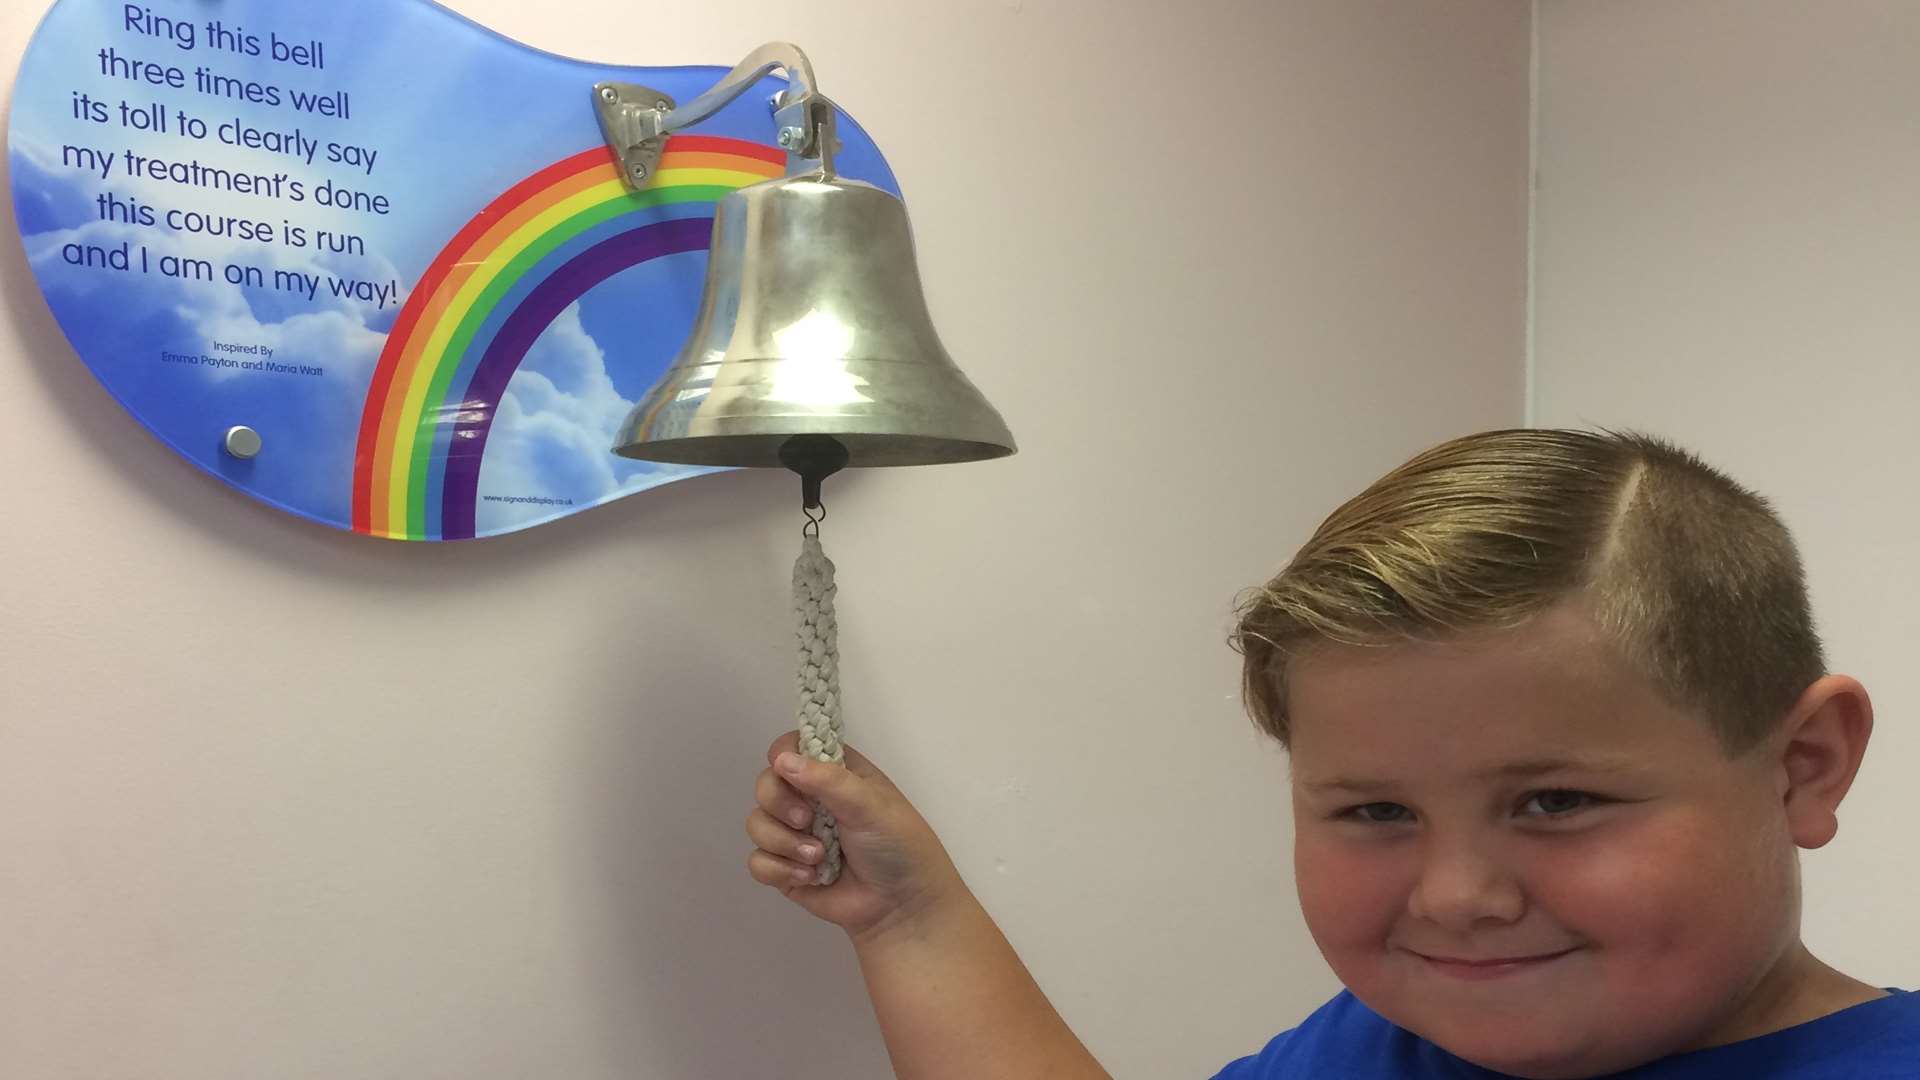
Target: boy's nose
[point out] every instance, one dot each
(1460, 887)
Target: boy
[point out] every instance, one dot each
(1557, 722)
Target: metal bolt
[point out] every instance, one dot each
(663, 105)
(786, 136)
(638, 170)
(242, 442)
(607, 93)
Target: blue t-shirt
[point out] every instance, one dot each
(1345, 1040)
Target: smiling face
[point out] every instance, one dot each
(1513, 846)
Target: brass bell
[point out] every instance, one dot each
(813, 324)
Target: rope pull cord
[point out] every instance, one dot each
(816, 457)
(818, 680)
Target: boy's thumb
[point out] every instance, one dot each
(843, 794)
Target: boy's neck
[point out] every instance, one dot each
(1799, 988)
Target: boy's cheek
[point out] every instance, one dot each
(1666, 884)
(1350, 895)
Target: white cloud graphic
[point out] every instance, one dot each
(552, 434)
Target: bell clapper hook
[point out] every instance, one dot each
(814, 457)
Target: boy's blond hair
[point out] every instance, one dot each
(1689, 574)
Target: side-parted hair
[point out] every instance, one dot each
(1690, 575)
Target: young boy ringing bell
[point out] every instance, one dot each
(1558, 725)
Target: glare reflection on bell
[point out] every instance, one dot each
(813, 366)
(813, 323)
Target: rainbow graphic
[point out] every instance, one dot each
(502, 279)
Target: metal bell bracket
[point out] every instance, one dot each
(637, 120)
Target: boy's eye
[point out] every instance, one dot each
(1557, 802)
(1382, 813)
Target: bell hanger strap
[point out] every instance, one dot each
(637, 120)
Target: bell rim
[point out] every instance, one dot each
(866, 449)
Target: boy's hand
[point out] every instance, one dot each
(939, 971)
(894, 869)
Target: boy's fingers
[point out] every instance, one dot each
(769, 869)
(779, 799)
(787, 743)
(777, 839)
(857, 763)
(851, 797)
(861, 765)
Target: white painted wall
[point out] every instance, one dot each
(1219, 263)
(1728, 253)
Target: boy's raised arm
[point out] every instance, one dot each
(952, 997)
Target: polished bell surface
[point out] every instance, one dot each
(813, 323)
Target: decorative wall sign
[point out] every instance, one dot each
(366, 260)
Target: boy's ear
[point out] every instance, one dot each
(1823, 739)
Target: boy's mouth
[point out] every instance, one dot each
(1475, 968)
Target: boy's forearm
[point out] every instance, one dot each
(954, 1001)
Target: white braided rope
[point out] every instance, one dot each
(819, 678)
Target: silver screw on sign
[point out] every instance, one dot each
(242, 442)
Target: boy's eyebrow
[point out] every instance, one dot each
(1505, 770)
